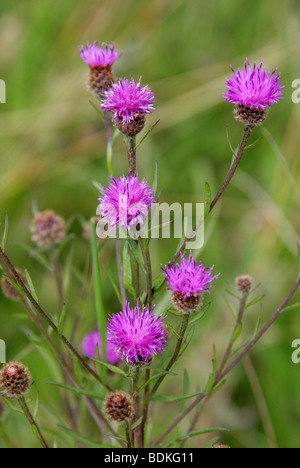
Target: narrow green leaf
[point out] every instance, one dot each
(147, 133)
(196, 433)
(217, 387)
(30, 285)
(291, 307)
(207, 200)
(158, 284)
(237, 333)
(255, 301)
(61, 320)
(37, 405)
(112, 368)
(83, 440)
(155, 377)
(136, 423)
(78, 391)
(174, 399)
(232, 308)
(127, 271)
(97, 109)
(4, 237)
(155, 178)
(136, 251)
(201, 313)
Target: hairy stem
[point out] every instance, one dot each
(131, 153)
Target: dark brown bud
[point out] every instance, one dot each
(134, 127)
(248, 116)
(118, 406)
(186, 305)
(100, 80)
(244, 283)
(15, 380)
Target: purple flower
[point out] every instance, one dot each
(254, 87)
(96, 56)
(126, 202)
(137, 334)
(128, 100)
(188, 278)
(89, 347)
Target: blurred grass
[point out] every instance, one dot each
(52, 148)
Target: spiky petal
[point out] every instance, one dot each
(95, 56)
(187, 278)
(126, 202)
(128, 100)
(254, 87)
(137, 334)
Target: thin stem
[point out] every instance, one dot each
(246, 134)
(100, 310)
(183, 327)
(127, 432)
(134, 377)
(35, 428)
(146, 405)
(11, 269)
(109, 150)
(236, 361)
(131, 153)
(120, 273)
(148, 268)
(58, 278)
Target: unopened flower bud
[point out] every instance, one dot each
(8, 289)
(15, 380)
(186, 305)
(250, 117)
(244, 283)
(119, 407)
(47, 228)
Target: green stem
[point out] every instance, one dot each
(183, 327)
(109, 148)
(35, 428)
(100, 310)
(148, 268)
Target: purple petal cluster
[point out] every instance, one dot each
(89, 344)
(96, 56)
(137, 334)
(126, 202)
(188, 278)
(254, 87)
(128, 100)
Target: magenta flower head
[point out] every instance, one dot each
(100, 60)
(137, 334)
(187, 282)
(253, 90)
(126, 202)
(89, 344)
(129, 102)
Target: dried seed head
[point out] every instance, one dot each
(248, 116)
(244, 283)
(118, 406)
(1, 407)
(186, 305)
(47, 228)
(8, 289)
(134, 127)
(100, 80)
(15, 380)
(220, 446)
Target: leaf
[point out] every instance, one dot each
(30, 285)
(37, 405)
(127, 271)
(291, 307)
(255, 301)
(207, 200)
(61, 320)
(232, 308)
(78, 391)
(112, 368)
(197, 433)
(237, 333)
(147, 133)
(155, 179)
(154, 377)
(136, 251)
(217, 387)
(82, 439)
(174, 399)
(137, 423)
(201, 313)
(4, 237)
(158, 284)
(97, 110)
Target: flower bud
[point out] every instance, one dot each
(249, 117)
(244, 283)
(47, 228)
(186, 305)
(15, 380)
(118, 406)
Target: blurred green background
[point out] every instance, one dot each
(53, 147)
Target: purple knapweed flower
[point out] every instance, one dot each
(253, 90)
(95, 56)
(126, 202)
(187, 282)
(129, 102)
(89, 344)
(137, 334)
